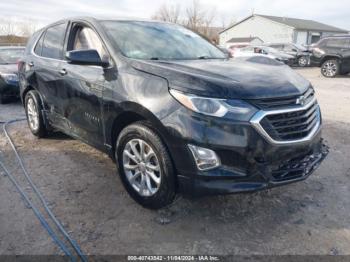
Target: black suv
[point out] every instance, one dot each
(170, 108)
(300, 53)
(332, 54)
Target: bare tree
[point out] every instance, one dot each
(27, 28)
(168, 13)
(195, 17)
(200, 19)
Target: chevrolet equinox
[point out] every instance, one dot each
(170, 108)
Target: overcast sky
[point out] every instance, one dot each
(334, 12)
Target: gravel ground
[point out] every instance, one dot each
(83, 190)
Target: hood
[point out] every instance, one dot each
(283, 55)
(235, 78)
(8, 69)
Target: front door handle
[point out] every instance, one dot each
(63, 72)
(31, 64)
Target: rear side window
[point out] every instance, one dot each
(53, 41)
(338, 43)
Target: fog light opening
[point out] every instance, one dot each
(205, 158)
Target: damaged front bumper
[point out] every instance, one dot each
(265, 175)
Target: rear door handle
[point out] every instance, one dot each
(63, 72)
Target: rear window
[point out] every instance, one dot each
(53, 41)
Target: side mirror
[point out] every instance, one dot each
(87, 57)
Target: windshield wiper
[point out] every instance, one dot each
(154, 58)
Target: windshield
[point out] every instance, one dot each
(11, 55)
(300, 47)
(155, 40)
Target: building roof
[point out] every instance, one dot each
(243, 39)
(300, 24)
(304, 24)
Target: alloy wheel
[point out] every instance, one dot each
(33, 115)
(141, 166)
(329, 69)
(302, 61)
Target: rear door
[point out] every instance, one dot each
(46, 63)
(83, 87)
(346, 55)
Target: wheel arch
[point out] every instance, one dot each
(133, 113)
(328, 57)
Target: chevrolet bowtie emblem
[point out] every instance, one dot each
(301, 100)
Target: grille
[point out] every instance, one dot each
(291, 125)
(275, 103)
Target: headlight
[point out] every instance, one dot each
(10, 77)
(238, 109)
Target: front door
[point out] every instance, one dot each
(84, 87)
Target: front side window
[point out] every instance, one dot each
(155, 40)
(39, 45)
(10, 55)
(53, 41)
(86, 38)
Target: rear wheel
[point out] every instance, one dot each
(34, 114)
(145, 166)
(330, 68)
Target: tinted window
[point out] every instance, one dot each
(337, 43)
(155, 40)
(278, 47)
(86, 38)
(39, 45)
(53, 41)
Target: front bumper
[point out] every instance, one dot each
(249, 162)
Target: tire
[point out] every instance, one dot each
(33, 110)
(140, 185)
(302, 61)
(330, 68)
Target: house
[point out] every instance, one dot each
(275, 29)
(244, 41)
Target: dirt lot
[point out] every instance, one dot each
(81, 185)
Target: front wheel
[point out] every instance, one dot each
(34, 114)
(330, 68)
(145, 166)
(302, 61)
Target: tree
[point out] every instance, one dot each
(168, 13)
(194, 17)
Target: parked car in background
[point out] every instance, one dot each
(332, 54)
(265, 51)
(9, 57)
(301, 54)
(233, 47)
(225, 51)
(182, 118)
